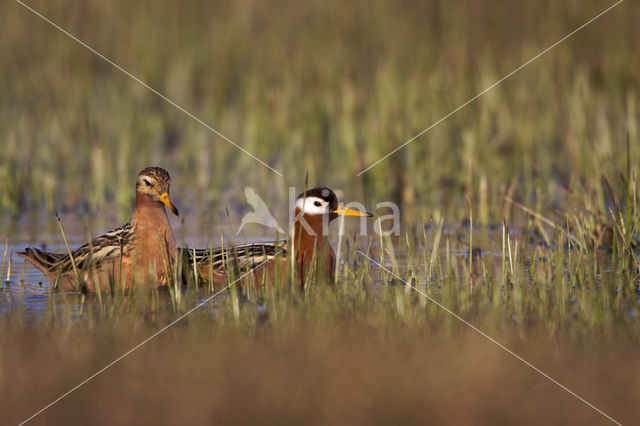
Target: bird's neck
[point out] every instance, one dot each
(148, 210)
(154, 247)
(311, 245)
(150, 218)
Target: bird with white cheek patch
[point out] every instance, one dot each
(314, 209)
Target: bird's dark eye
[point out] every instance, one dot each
(317, 204)
(146, 182)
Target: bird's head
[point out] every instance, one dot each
(322, 201)
(153, 183)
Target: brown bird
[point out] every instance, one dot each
(314, 210)
(142, 251)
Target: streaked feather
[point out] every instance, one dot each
(244, 257)
(93, 254)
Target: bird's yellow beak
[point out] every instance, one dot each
(344, 211)
(164, 197)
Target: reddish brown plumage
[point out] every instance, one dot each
(313, 255)
(142, 251)
(313, 250)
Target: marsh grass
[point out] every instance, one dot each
(556, 277)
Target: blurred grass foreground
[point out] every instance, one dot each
(519, 213)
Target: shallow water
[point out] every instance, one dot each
(26, 290)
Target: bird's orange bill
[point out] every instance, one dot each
(166, 201)
(344, 211)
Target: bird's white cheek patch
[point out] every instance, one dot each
(308, 205)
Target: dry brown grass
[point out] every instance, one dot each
(344, 375)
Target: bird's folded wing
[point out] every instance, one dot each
(93, 254)
(245, 257)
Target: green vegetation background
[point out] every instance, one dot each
(323, 87)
